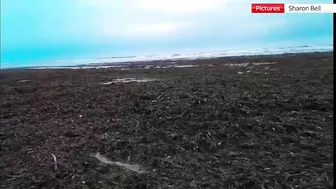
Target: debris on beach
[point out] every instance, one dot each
(185, 66)
(249, 64)
(24, 81)
(211, 65)
(128, 80)
(263, 63)
(237, 64)
(132, 167)
(198, 127)
(169, 66)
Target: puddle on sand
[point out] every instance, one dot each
(127, 80)
(132, 167)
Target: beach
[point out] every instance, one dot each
(231, 122)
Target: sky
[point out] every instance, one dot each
(40, 31)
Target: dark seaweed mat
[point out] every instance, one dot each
(205, 127)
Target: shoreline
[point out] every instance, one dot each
(168, 61)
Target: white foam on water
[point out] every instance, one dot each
(76, 67)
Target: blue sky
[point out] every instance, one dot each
(46, 30)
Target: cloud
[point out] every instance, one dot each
(97, 3)
(158, 22)
(178, 6)
(150, 29)
(171, 6)
(145, 18)
(139, 31)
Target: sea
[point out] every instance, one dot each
(92, 61)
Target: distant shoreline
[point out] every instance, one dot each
(168, 61)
